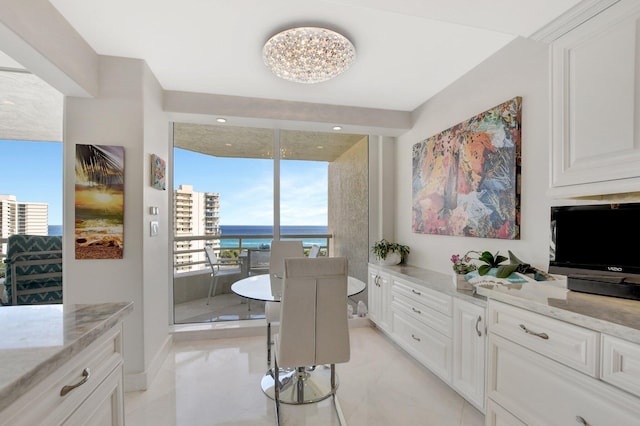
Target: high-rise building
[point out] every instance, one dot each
(22, 217)
(195, 214)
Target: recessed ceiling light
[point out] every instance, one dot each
(221, 120)
(337, 128)
(320, 147)
(228, 144)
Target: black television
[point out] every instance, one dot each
(596, 247)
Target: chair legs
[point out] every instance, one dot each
(269, 343)
(276, 389)
(213, 286)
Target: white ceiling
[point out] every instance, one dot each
(407, 50)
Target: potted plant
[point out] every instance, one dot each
(388, 253)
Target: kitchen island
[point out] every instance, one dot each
(62, 363)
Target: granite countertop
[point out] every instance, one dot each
(610, 315)
(37, 339)
(431, 279)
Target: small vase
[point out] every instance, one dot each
(460, 283)
(393, 258)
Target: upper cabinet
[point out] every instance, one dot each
(595, 103)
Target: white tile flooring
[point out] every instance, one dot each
(217, 382)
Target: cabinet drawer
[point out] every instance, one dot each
(539, 391)
(429, 347)
(423, 313)
(498, 416)
(621, 364)
(433, 299)
(43, 405)
(569, 344)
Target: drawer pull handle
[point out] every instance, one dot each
(477, 323)
(417, 311)
(581, 420)
(415, 338)
(377, 281)
(544, 336)
(68, 388)
(416, 292)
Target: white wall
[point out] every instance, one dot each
(126, 112)
(519, 69)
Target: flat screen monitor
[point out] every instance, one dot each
(601, 237)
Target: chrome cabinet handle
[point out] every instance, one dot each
(416, 292)
(415, 338)
(68, 388)
(477, 323)
(417, 311)
(544, 336)
(377, 280)
(581, 420)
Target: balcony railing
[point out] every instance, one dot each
(234, 244)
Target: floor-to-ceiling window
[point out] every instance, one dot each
(269, 184)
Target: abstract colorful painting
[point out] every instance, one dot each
(158, 171)
(99, 202)
(466, 179)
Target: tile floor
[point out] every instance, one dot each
(217, 382)
(222, 307)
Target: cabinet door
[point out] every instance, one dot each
(379, 291)
(539, 391)
(596, 104)
(469, 342)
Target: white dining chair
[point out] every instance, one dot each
(314, 328)
(279, 251)
(228, 268)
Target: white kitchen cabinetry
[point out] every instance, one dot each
(595, 105)
(87, 389)
(422, 325)
(537, 377)
(469, 344)
(379, 288)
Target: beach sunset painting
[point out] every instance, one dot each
(99, 202)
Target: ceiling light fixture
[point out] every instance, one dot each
(221, 120)
(336, 128)
(308, 54)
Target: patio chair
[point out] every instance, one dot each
(220, 268)
(33, 270)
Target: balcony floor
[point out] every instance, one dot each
(222, 307)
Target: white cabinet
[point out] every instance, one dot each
(469, 344)
(595, 105)
(379, 288)
(87, 389)
(422, 325)
(544, 377)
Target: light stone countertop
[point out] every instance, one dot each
(431, 279)
(37, 339)
(610, 315)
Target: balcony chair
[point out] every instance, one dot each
(315, 251)
(33, 270)
(279, 251)
(314, 327)
(220, 268)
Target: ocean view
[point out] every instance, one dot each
(250, 230)
(268, 230)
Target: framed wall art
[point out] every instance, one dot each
(158, 172)
(466, 179)
(99, 202)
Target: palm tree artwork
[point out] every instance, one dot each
(99, 202)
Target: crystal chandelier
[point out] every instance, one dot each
(308, 54)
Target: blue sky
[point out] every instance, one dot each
(32, 171)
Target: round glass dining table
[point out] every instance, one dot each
(302, 385)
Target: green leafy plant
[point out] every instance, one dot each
(382, 248)
(502, 271)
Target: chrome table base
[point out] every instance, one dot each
(303, 385)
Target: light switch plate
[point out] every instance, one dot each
(154, 228)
